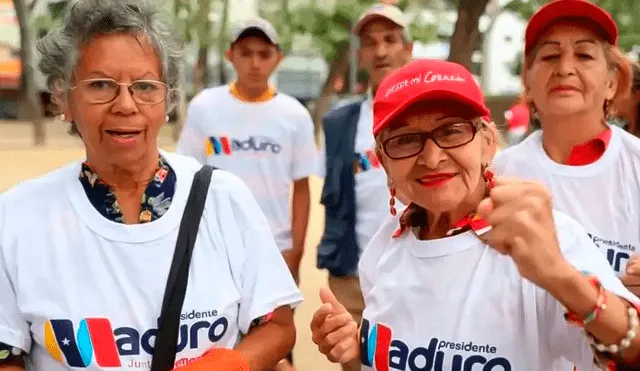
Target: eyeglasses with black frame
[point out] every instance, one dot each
(99, 91)
(446, 137)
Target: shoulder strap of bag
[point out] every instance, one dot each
(164, 354)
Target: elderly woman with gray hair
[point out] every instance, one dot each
(86, 250)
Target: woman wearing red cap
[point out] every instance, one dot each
(478, 273)
(573, 75)
(517, 118)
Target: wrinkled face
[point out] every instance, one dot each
(439, 180)
(569, 74)
(254, 60)
(121, 132)
(382, 49)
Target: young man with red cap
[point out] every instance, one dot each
(261, 135)
(354, 180)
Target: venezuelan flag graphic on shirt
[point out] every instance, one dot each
(94, 342)
(218, 146)
(365, 161)
(93, 339)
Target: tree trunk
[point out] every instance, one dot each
(337, 69)
(222, 43)
(466, 34)
(29, 105)
(181, 108)
(201, 74)
(201, 78)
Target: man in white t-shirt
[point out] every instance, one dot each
(263, 136)
(356, 186)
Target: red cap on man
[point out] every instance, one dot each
(426, 80)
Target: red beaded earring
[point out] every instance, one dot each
(392, 202)
(488, 177)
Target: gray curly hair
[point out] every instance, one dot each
(60, 49)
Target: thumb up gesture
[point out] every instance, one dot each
(334, 331)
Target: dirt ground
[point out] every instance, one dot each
(20, 160)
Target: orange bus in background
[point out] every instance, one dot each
(10, 66)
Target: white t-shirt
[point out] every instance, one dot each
(88, 291)
(604, 196)
(267, 144)
(371, 190)
(456, 304)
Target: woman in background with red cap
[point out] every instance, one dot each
(573, 74)
(477, 272)
(517, 118)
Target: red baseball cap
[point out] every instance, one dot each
(426, 80)
(561, 9)
(517, 116)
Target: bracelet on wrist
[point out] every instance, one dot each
(600, 306)
(10, 355)
(625, 343)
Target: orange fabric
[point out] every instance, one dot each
(589, 152)
(218, 360)
(10, 67)
(267, 95)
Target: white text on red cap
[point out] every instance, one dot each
(429, 77)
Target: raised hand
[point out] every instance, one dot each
(334, 330)
(521, 219)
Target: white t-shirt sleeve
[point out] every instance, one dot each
(305, 156)
(14, 329)
(192, 141)
(261, 274)
(563, 339)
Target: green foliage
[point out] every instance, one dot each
(518, 64)
(330, 30)
(623, 11)
(53, 18)
(525, 8)
(184, 19)
(57, 10)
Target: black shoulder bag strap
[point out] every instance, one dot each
(164, 354)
